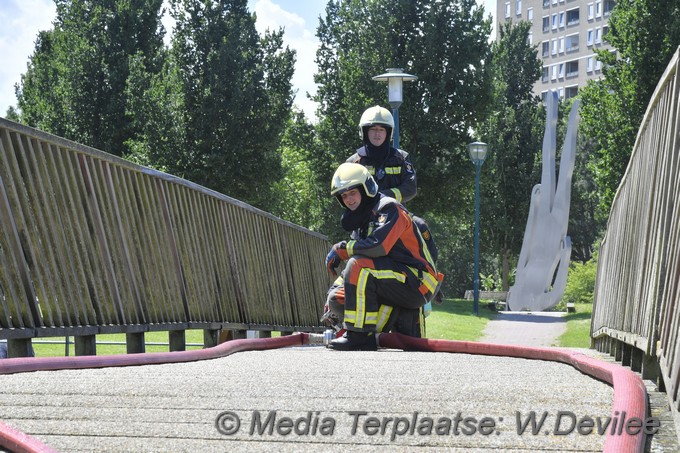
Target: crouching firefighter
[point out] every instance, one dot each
(389, 266)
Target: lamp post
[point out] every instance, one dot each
(478, 152)
(395, 78)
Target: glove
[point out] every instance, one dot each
(333, 261)
(335, 257)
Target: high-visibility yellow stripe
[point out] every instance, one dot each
(350, 247)
(360, 316)
(350, 316)
(361, 298)
(393, 170)
(384, 313)
(397, 194)
(427, 279)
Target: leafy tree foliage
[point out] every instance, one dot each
(514, 132)
(221, 103)
(75, 85)
(299, 197)
(645, 33)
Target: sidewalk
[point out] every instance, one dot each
(530, 328)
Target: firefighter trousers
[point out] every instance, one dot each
(379, 297)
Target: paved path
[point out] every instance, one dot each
(387, 400)
(173, 408)
(526, 328)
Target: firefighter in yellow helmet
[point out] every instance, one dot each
(389, 265)
(389, 166)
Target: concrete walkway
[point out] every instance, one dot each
(526, 328)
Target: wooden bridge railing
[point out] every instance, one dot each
(636, 313)
(90, 243)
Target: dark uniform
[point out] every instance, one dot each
(391, 267)
(395, 175)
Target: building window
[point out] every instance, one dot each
(546, 24)
(553, 72)
(598, 8)
(598, 64)
(561, 45)
(561, 20)
(554, 2)
(545, 49)
(608, 7)
(561, 93)
(598, 35)
(507, 10)
(589, 64)
(530, 14)
(560, 70)
(573, 17)
(554, 46)
(570, 92)
(591, 11)
(572, 68)
(605, 31)
(546, 3)
(554, 21)
(589, 37)
(531, 38)
(545, 76)
(572, 43)
(518, 7)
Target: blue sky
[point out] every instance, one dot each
(22, 20)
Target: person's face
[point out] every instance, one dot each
(352, 199)
(377, 135)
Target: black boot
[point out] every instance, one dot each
(355, 341)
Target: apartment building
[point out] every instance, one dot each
(566, 32)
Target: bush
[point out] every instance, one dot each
(581, 282)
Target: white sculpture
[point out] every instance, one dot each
(544, 259)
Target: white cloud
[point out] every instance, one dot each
(298, 35)
(21, 21)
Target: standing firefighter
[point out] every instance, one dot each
(389, 265)
(389, 166)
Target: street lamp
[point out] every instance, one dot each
(478, 152)
(395, 78)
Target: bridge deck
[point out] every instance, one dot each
(174, 407)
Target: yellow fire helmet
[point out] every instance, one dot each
(350, 176)
(376, 116)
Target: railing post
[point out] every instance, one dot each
(177, 340)
(19, 347)
(85, 344)
(135, 342)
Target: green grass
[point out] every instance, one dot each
(578, 328)
(455, 320)
(58, 349)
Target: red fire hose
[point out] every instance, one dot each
(630, 394)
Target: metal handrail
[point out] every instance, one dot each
(91, 243)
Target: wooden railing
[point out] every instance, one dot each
(636, 314)
(90, 243)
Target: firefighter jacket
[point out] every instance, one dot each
(395, 176)
(390, 231)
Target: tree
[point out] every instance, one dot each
(514, 132)
(645, 34)
(75, 84)
(300, 198)
(227, 94)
